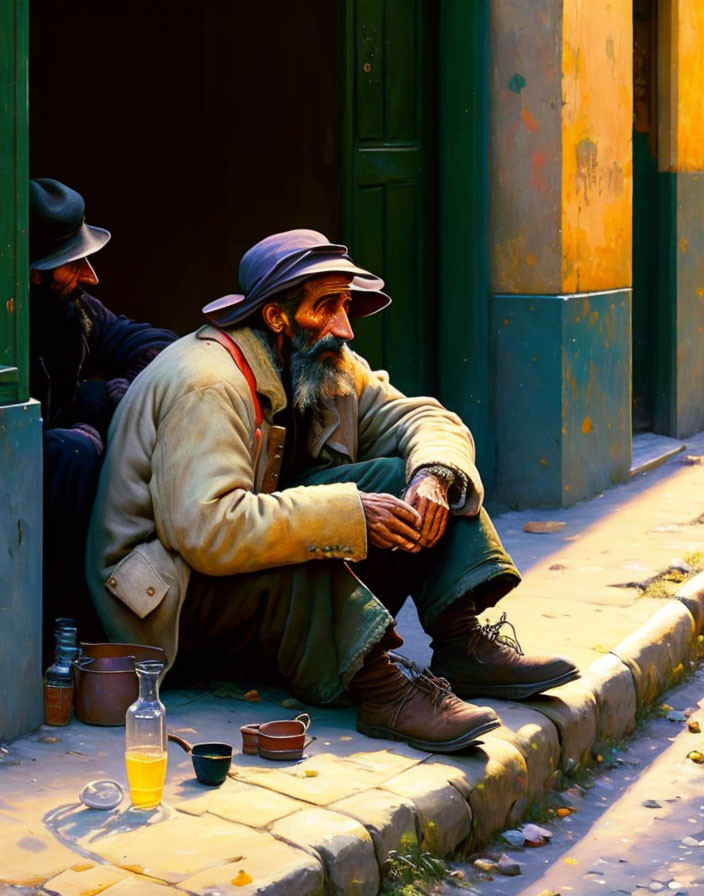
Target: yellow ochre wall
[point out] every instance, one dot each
(597, 170)
(561, 145)
(688, 43)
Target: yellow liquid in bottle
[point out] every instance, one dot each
(146, 772)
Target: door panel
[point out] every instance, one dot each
(14, 186)
(389, 201)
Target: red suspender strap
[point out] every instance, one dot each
(229, 344)
(231, 347)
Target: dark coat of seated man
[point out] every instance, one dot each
(82, 360)
(248, 510)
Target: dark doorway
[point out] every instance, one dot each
(645, 211)
(193, 129)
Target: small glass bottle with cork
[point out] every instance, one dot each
(58, 679)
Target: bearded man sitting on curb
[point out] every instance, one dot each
(82, 358)
(249, 510)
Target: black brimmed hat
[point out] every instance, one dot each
(284, 260)
(58, 232)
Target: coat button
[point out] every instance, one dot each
(151, 591)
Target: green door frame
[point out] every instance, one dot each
(462, 281)
(463, 221)
(14, 180)
(21, 707)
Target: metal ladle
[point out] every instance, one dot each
(211, 761)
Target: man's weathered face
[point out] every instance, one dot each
(316, 334)
(62, 281)
(323, 313)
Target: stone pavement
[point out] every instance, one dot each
(325, 824)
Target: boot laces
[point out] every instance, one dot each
(439, 689)
(492, 632)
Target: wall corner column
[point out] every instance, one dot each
(560, 247)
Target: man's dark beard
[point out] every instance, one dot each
(57, 310)
(314, 378)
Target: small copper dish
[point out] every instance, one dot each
(284, 740)
(250, 739)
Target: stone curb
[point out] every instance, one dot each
(692, 596)
(615, 692)
(343, 845)
(657, 651)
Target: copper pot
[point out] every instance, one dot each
(140, 652)
(106, 682)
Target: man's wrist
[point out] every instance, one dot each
(443, 474)
(454, 481)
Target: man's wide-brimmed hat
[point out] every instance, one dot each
(284, 260)
(58, 232)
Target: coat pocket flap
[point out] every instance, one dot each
(137, 584)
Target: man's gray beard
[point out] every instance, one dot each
(315, 380)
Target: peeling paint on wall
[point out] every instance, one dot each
(537, 170)
(561, 178)
(528, 120)
(517, 83)
(611, 55)
(586, 154)
(525, 175)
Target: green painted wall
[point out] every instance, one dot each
(21, 706)
(563, 395)
(20, 423)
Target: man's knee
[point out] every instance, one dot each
(69, 449)
(385, 474)
(381, 474)
(71, 467)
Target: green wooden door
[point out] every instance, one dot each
(645, 283)
(14, 184)
(646, 218)
(389, 178)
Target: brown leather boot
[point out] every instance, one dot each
(480, 660)
(415, 707)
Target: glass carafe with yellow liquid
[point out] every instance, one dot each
(145, 739)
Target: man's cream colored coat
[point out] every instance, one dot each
(181, 488)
